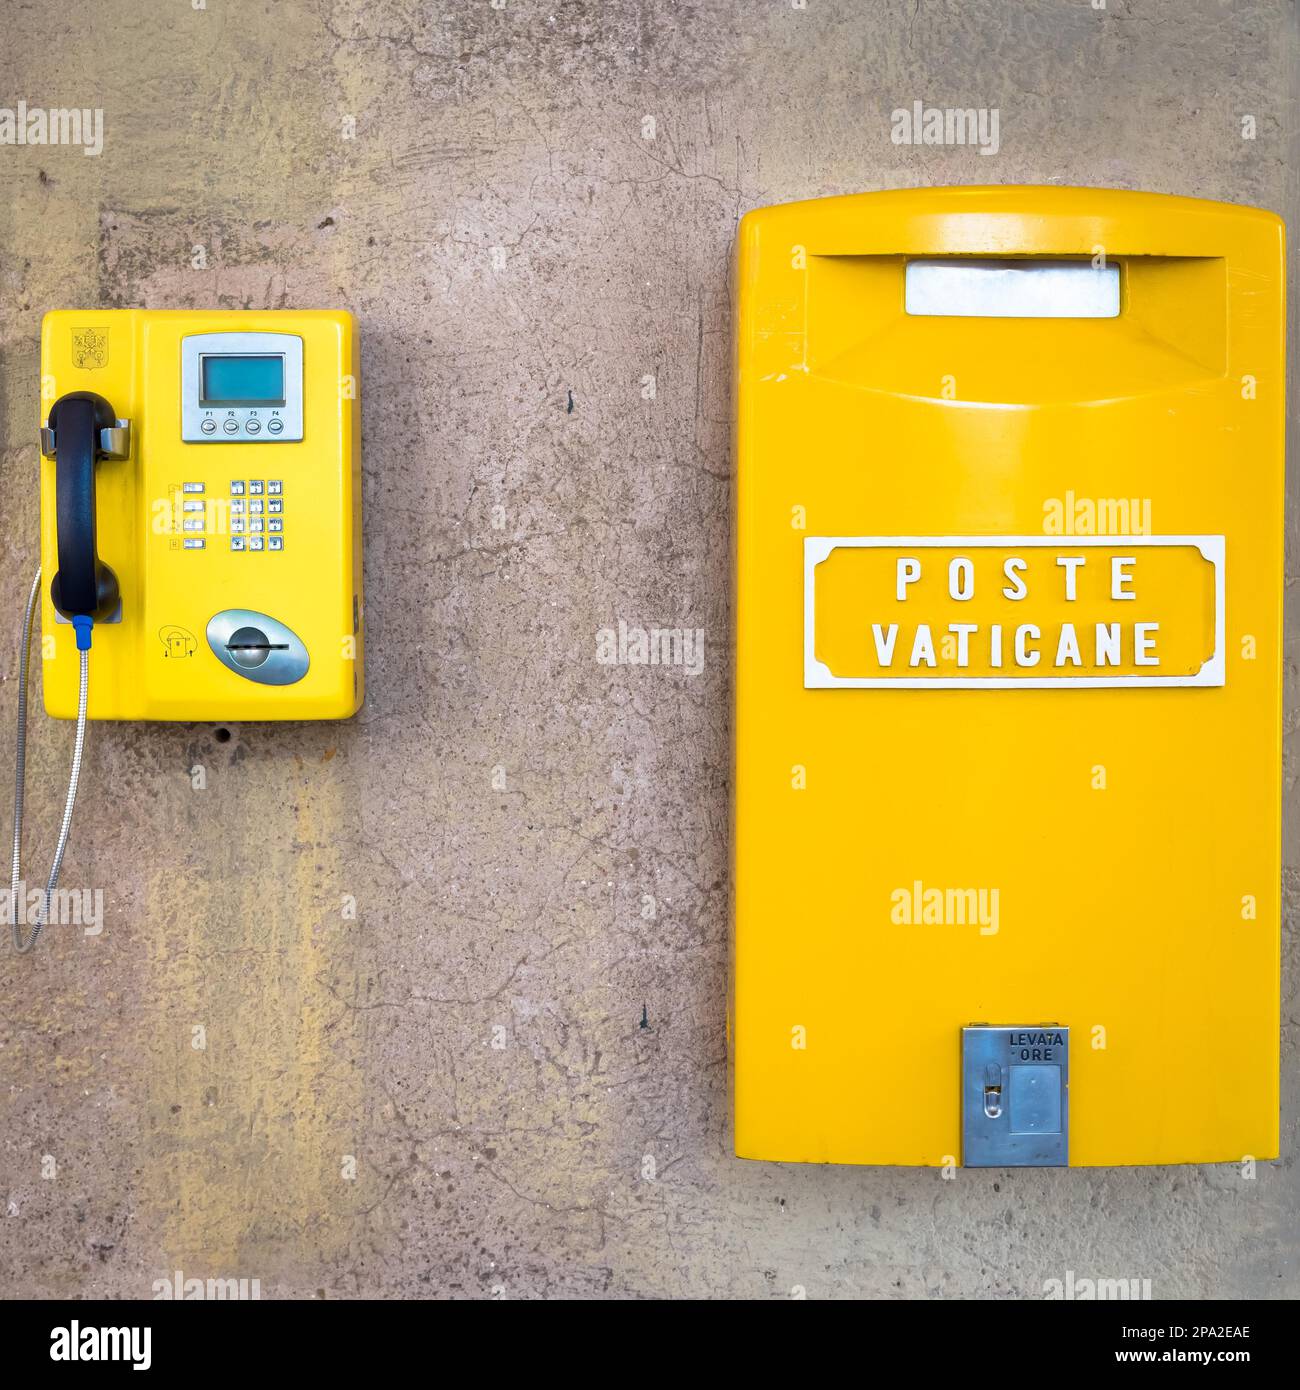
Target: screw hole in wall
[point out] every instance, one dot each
(222, 735)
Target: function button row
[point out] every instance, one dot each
(230, 425)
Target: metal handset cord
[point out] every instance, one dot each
(20, 763)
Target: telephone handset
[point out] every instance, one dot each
(82, 428)
(218, 563)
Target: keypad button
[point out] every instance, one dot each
(192, 543)
(254, 542)
(237, 507)
(236, 487)
(255, 525)
(275, 543)
(193, 523)
(275, 508)
(274, 486)
(236, 524)
(255, 508)
(191, 487)
(275, 525)
(236, 542)
(255, 487)
(195, 506)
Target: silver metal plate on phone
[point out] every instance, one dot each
(258, 647)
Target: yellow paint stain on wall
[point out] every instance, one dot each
(254, 1083)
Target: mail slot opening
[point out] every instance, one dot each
(1011, 289)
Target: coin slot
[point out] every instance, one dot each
(250, 646)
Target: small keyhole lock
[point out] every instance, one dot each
(993, 1091)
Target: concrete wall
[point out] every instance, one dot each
(513, 378)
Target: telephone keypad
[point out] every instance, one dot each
(248, 503)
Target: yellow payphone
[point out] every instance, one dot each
(200, 521)
(1009, 500)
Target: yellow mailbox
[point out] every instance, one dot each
(1009, 500)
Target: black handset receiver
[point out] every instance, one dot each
(84, 585)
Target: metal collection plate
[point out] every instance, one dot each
(1015, 1096)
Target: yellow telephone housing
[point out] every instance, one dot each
(233, 524)
(1008, 626)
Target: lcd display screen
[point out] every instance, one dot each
(244, 380)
